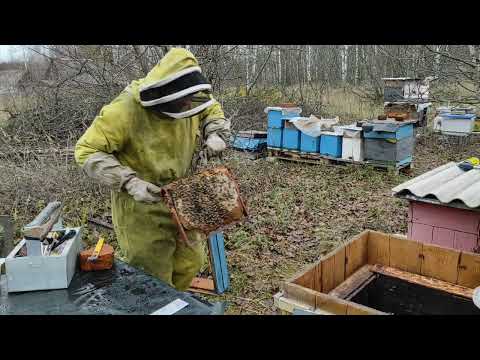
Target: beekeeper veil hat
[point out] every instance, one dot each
(176, 86)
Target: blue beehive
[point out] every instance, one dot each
(389, 143)
(291, 137)
(389, 131)
(331, 144)
(276, 116)
(309, 143)
(250, 144)
(274, 137)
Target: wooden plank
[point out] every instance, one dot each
(445, 217)
(378, 248)
(422, 233)
(357, 309)
(306, 279)
(328, 274)
(331, 304)
(356, 253)
(465, 242)
(287, 306)
(353, 282)
(405, 254)
(443, 237)
(202, 285)
(317, 277)
(424, 281)
(440, 263)
(339, 270)
(300, 293)
(469, 270)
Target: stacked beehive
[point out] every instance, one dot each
(281, 134)
(406, 99)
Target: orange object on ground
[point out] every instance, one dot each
(103, 262)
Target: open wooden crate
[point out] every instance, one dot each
(329, 285)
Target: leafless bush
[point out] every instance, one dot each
(27, 186)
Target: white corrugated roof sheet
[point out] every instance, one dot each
(446, 184)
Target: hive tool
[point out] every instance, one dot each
(36, 231)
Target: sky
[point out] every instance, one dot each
(5, 52)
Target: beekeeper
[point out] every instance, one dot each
(146, 138)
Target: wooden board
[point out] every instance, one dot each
(353, 282)
(202, 285)
(306, 278)
(424, 281)
(328, 271)
(469, 270)
(405, 254)
(339, 270)
(314, 158)
(440, 263)
(427, 265)
(357, 309)
(317, 277)
(356, 253)
(330, 304)
(301, 294)
(378, 248)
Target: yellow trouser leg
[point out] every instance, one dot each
(187, 262)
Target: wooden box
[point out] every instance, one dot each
(327, 286)
(444, 226)
(30, 273)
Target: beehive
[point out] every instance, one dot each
(206, 201)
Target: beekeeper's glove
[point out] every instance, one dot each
(106, 169)
(214, 145)
(143, 191)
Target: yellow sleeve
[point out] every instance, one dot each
(213, 121)
(108, 133)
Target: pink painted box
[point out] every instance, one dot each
(444, 226)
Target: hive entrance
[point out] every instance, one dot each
(400, 297)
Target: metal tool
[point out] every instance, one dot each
(96, 251)
(60, 241)
(36, 231)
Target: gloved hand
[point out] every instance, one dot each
(214, 145)
(143, 191)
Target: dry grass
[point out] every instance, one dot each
(298, 212)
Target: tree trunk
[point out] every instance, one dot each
(279, 61)
(356, 65)
(309, 63)
(344, 62)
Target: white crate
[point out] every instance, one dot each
(352, 143)
(352, 149)
(30, 273)
(455, 126)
